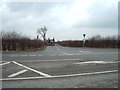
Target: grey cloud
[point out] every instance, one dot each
(28, 17)
(101, 15)
(19, 6)
(39, 11)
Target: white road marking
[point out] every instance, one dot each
(18, 73)
(4, 63)
(96, 62)
(61, 76)
(23, 78)
(71, 59)
(59, 60)
(63, 52)
(84, 74)
(14, 55)
(52, 55)
(70, 54)
(23, 55)
(60, 55)
(38, 72)
(32, 55)
(80, 51)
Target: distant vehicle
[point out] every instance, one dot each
(51, 42)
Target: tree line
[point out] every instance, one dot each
(13, 41)
(94, 42)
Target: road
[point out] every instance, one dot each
(61, 67)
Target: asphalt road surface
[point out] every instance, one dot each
(61, 67)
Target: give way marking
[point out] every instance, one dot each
(38, 72)
(4, 63)
(18, 73)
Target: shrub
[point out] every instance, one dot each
(13, 41)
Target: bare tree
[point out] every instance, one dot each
(42, 32)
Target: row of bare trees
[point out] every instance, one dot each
(13, 41)
(71, 43)
(95, 42)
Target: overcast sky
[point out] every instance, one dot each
(64, 20)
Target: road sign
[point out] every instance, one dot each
(84, 35)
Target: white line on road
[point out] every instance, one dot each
(23, 55)
(32, 55)
(14, 55)
(39, 55)
(84, 74)
(4, 63)
(61, 76)
(18, 73)
(38, 72)
(80, 51)
(63, 52)
(52, 60)
(97, 62)
(69, 54)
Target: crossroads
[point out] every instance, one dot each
(44, 75)
(46, 66)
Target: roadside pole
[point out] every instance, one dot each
(84, 39)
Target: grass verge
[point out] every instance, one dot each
(29, 50)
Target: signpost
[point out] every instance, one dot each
(84, 39)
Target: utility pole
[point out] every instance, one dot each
(84, 39)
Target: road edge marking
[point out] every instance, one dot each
(85, 74)
(59, 76)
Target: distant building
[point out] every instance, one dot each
(51, 42)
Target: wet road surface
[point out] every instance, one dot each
(61, 67)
